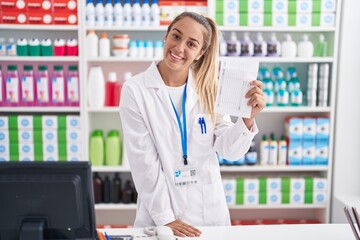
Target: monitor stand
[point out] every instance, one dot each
(32, 230)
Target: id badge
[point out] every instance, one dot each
(186, 175)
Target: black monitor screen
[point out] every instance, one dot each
(46, 200)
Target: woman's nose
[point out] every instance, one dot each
(180, 46)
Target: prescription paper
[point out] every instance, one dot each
(234, 82)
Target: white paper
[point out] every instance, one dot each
(234, 82)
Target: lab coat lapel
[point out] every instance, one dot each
(191, 96)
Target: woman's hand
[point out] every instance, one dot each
(182, 229)
(257, 101)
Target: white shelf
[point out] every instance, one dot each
(110, 169)
(300, 109)
(258, 168)
(277, 29)
(40, 109)
(104, 110)
(39, 59)
(120, 59)
(115, 206)
(282, 206)
(127, 28)
(39, 27)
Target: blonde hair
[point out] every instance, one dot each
(206, 68)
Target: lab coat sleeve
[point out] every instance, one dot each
(143, 159)
(232, 141)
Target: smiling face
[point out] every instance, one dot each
(183, 44)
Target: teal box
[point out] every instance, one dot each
(309, 152)
(309, 129)
(322, 129)
(295, 152)
(322, 152)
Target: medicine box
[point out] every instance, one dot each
(320, 184)
(254, 6)
(228, 19)
(295, 152)
(279, 6)
(294, 128)
(251, 198)
(273, 198)
(251, 185)
(49, 122)
(229, 186)
(67, 6)
(277, 19)
(25, 136)
(297, 184)
(26, 157)
(322, 152)
(50, 148)
(273, 184)
(4, 150)
(4, 136)
(228, 6)
(297, 197)
(309, 129)
(73, 149)
(72, 122)
(4, 125)
(199, 7)
(322, 128)
(319, 197)
(309, 152)
(25, 122)
(230, 198)
(169, 10)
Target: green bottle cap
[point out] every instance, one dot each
(272, 136)
(12, 68)
(264, 137)
(58, 68)
(97, 133)
(73, 68)
(113, 133)
(28, 67)
(42, 68)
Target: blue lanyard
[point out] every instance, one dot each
(183, 133)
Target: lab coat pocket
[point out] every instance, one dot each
(203, 127)
(214, 207)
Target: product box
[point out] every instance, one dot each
(50, 149)
(14, 17)
(26, 157)
(13, 5)
(304, 6)
(4, 150)
(322, 128)
(319, 197)
(228, 6)
(295, 152)
(50, 135)
(49, 122)
(320, 184)
(199, 7)
(230, 198)
(303, 20)
(255, 19)
(326, 20)
(309, 129)
(227, 19)
(297, 184)
(297, 197)
(26, 149)
(77, 158)
(72, 122)
(279, 6)
(73, 135)
(73, 149)
(309, 152)
(273, 184)
(322, 152)
(39, 6)
(229, 186)
(277, 19)
(4, 136)
(251, 185)
(169, 10)
(273, 198)
(251, 198)
(40, 17)
(51, 158)
(294, 128)
(4, 123)
(328, 6)
(69, 6)
(25, 136)
(66, 18)
(25, 122)
(254, 6)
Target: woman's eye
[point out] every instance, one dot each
(191, 44)
(175, 36)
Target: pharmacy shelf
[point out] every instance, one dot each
(39, 59)
(39, 27)
(104, 110)
(299, 109)
(127, 28)
(259, 168)
(115, 206)
(41, 109)
(282, 206)
(277, 29)
(120, 59)
(110, 169)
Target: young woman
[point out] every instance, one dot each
(172, 135)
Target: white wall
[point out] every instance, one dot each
(346, 169)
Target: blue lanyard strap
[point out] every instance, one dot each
(183, 132)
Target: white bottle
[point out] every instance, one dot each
(109, 13)
(260, 47)
(247, 46)
(2, 47)
(273, 150)
(136, 13)
(282, 151)
(127, 11)
(104, 46)
(288, 47)
(96, 87)
(145, 13)
(118, 17)
(91, 43)
(222, 45)
(11, 47)
(90, 13)
(99, 13)
(158, 49)
(149, 49)
(305, 47)
(264, 150)
(155, 13)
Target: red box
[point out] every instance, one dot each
(69, 6)
(39, 5)
(14, 17)
(65, 18)
(13, 5)
(40, 17)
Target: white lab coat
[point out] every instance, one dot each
(153, 146)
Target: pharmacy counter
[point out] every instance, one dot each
(259, 232)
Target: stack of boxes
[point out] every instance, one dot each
(279, 13)
(308, 140)
(170, 9)
(40, 138)
(38, 12)
(275, 191)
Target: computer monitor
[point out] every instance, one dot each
(46, 200)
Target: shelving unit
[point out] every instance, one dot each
(107, 118)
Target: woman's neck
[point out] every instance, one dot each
(172, 78)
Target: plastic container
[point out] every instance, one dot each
(98, 188)
(260, 46)
(2, 98)
(72, 47)
(99, 13)
(91, 43)
(46, 47)
(11, 47)
(59, 47)
(113, 149)
(251, 155)
(72, 86)
(321, 47)
(233, 45)
(96, 87)
(305, 48)
(273, 46)
(136, 13)
(264, 150)
(116, 189)
(118, 17)
(145, 13)
(222, 45)
(28, 86)
(109, 13)
(22, 47)
(12, 86)
(283, 148)
(247, 46)
(110, 89)
(127, 11)
(158, 49)
(58, 86)
(149, 49)
(288, 47)
(34, 47)
(90, 13)
(42, 86)
(107, 190)
(104, 46)
(273, 150)
(154, 13)
(3, 47)
(97, 148)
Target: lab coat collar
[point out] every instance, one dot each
(155, 81)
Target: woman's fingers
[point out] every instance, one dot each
(182, 229)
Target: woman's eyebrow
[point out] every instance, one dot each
(193, 39)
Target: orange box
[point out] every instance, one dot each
(199, 7)
(39, 5)
(14, 17)
(169, 10)
(64, 18)
(40, 17)
(65, 6)
(13, 5)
